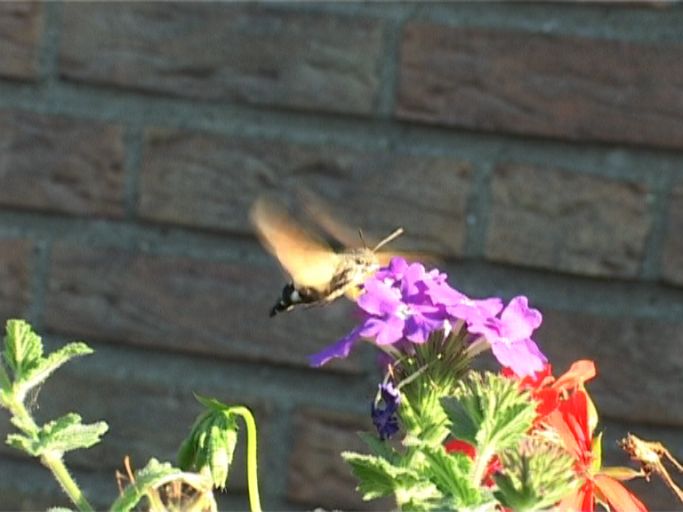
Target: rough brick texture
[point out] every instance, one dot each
(672, 264)
(530, 149)
(226, 52)
(318, 475)
(21, 26)
(61, 164)
(639, 362)
(183, 304)
(204, 180)
(566, 221)
(529, 83)
(15, 257)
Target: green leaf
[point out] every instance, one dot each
(537, 475)
(451, 474)
(46, 366)
(21, 442)
(5, 383)
(62, 435)
(147, 479)
(379, 447)
(377, 476)
(23, 347)
(68, 433)
(462, 425)
(493, 407)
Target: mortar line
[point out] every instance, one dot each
(478, 211)
(654, 244)
(389, 72)
(51, 36)
(40, 266)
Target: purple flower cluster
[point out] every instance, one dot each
(384, 410)
(406, 302)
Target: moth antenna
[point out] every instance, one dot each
(360, 234)
(398, 232)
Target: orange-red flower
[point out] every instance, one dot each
(566, 412)
(574, 421)
(548, 391)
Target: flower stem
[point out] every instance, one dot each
(252, 473)
(55, 464)
(481, 465)
(52, 461)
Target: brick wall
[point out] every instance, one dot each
(537, 149)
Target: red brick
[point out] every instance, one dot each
(184, 304)
(21, 25)
(14, 278)
(318, 475)
(247, 53)
(565, 221)
(61, 164)
(211, 181)
(530, 83)
(639, 362)
(672, 260)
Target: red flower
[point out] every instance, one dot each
(574, 421)
(548, 391)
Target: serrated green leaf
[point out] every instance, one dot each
(451, 474)
(379, 447)
(462, 425)
(22, 443)
(537, 475)
(211, 403)
(23, 423)
(23, 347)
(418, 495)
(65, 434)
(156, 474)
(377, 477)
(5, 383)
(46, 366)
(75, 436)
(496, 409)
(152, 475)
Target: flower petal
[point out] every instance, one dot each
(618, 497)
(339, 349)
(523, 357)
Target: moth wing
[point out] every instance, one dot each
(326, 219)
(308, 261)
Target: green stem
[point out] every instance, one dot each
(52, 461)
(481, 465)
(252, 473)
(55, 464)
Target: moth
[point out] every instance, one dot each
(318, 275)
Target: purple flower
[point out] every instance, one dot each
(510, 336)
(383, 410)
(403, 303)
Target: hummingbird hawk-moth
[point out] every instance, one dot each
(318, 275)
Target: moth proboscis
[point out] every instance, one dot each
(318, 275)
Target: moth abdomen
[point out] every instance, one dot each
(292, 296)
